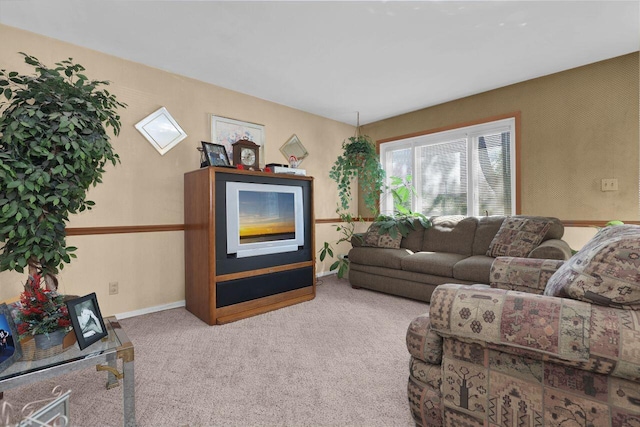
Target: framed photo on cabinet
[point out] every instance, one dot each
(215, 154)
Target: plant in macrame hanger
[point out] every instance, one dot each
(360, 160)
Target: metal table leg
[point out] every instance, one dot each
(129, 394)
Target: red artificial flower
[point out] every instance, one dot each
(22, 328)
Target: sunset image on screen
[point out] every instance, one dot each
(266, 216)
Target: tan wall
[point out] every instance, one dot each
(147, 188)
(578, 127)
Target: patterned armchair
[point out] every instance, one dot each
(549, 343)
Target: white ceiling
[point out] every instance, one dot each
(336, 58)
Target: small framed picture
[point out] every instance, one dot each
(10, 350)
(215, 154)
(86, 320)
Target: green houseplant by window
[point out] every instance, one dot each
(53, 148)
(360, 159)
(357, 160)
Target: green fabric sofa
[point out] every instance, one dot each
(453, 250)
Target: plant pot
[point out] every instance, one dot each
(52, 339)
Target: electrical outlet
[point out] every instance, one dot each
(113, 288)
(609, 184)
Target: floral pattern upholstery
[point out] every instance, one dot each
(511, 358)
(523, 274)
(373, 238)
(606, 271)
(518, 236)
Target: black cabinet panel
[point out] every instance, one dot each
(250, 288)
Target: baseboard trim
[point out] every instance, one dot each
(177, 304)
(149, 310)
(326, 273)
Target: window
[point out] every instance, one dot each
(463, 171)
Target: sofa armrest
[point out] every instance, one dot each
(522, 274)
(560, 330)
(423, 343)
(357, 240)
(552, 249)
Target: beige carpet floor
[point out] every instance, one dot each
(338, 360)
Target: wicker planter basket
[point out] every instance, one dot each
(31, 352)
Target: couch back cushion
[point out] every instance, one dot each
(413, 241)
(451, 234)
(606, 271)
(486, 230)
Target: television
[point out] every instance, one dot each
(263, 219)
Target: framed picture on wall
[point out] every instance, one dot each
(161, 130)
(10, 350)
(86, 320)
(225, 132)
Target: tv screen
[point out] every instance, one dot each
(263, 219)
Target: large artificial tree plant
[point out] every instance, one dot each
(53, 147)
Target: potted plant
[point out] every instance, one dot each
(360, 159)
(403, 219)
(42, 314)
(53, 148)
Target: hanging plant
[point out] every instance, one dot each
(358, 159)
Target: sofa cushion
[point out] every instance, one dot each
(382, 257)
(488, 227)
(486, 230)
(476, 268)
(518, 236)
(451, 234)
(437, 263)
(373, 238)
(606, 271)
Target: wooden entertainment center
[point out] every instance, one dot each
(221, 287)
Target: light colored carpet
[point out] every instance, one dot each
(338, 360)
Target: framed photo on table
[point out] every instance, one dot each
(215, 154)
(10, 350)
(86, 320)
(226, 131)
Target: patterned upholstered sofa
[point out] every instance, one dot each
(549, 343)
(456, 249)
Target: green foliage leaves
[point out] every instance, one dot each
(358, 159)
(53, 148)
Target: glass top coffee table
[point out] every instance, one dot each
(103, 354)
